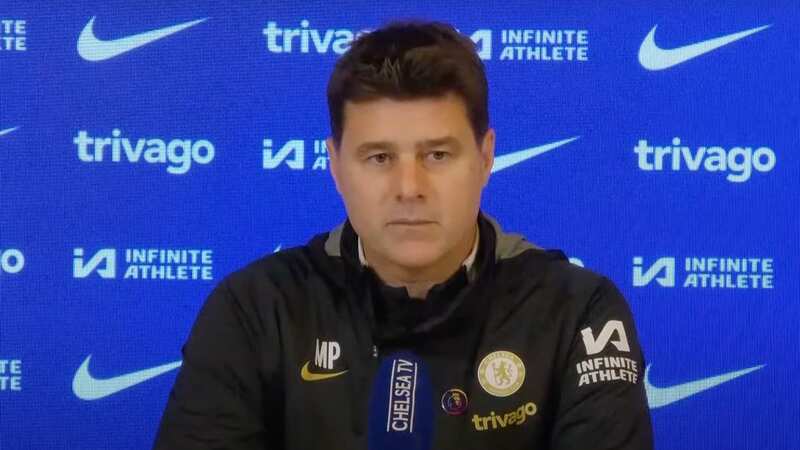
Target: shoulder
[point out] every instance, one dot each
(520, 261)
(285, 266)
(547, 276)
(548, 282)
(273, 277)
(552, 270)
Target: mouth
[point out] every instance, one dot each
(410, 222)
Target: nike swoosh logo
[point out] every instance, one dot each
(8, 130)
(91, 48)
(310, 376)
(87, 387)
(509, 159)
(663, 396)
(652, 57)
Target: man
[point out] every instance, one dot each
(418, 323)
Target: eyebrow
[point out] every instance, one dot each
(438, 142)
(367, 147)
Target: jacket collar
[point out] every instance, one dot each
(393, 315)
(389, 311)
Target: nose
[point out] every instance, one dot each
(411, 179)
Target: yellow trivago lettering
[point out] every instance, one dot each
(494, 421)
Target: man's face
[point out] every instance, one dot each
(410, 174)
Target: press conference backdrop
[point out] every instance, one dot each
(147, 149)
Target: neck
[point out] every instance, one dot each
(419, 280)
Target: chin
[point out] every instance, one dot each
(411, 256)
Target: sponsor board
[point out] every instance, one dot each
(705, 272)
(11, 260)
(292, 154)
(177, 154)
(13, 35)
(10, 375)
(508, 44)
(144, 264)
(737, 164)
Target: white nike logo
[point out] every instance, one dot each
(8, 130)
(663, 396)
(652, 57)
(86, 387)
(92, 49)
(509, 159)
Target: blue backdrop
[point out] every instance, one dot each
(149, 148)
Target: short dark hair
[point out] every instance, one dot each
(408, 60)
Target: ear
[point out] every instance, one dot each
(333, 157)
(487, 154)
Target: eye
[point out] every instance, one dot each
(439, 155)
(379, 158)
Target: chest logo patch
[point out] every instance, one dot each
(326, 355)
(454, 402)
(501, 373)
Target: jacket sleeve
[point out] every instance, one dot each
(602, 400)
(221, 394)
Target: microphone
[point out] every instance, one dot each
(401, 405)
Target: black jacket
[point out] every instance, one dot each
(308, 349)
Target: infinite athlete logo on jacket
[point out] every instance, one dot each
(607, 367)
(401, 407)
(501, 373)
